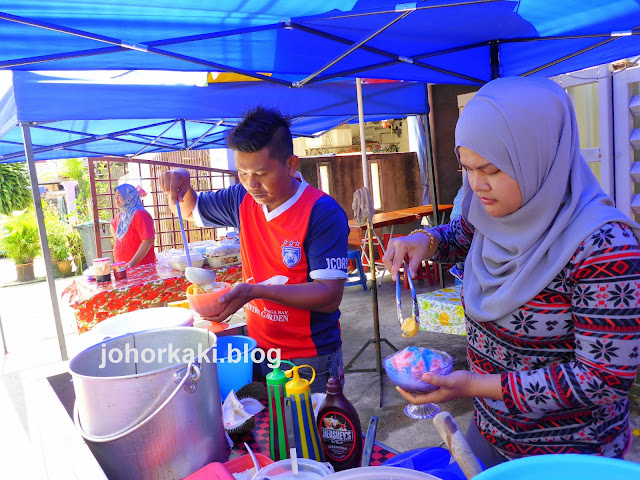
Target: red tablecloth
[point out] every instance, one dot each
(145, 286)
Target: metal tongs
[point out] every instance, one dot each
(416, 312)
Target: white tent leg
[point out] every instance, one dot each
(363, 142)
(44, 243)
(376, 340)
(4, 342)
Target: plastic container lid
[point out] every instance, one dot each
(307, 470)
(136, 321)
(182, 258)
(434, 460)
(220, 250)
(380, 473)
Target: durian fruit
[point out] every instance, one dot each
(255, 390)
(243, 428)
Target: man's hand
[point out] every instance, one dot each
(175, 183)
(237, 297)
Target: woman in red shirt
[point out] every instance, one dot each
(132, 229)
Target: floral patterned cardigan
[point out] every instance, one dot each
(568, 357)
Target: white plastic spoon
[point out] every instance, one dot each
(184, 237)
(200, 276)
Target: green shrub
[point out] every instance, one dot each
(15, 193)
(58, 232)
(19, 237)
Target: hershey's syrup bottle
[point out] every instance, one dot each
(339, 427)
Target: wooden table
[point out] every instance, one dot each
(398, 217)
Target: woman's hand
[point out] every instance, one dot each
(415, 246)
(458, 384)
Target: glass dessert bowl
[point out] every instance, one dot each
(405, 369)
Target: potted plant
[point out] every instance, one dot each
(19, 240)
(58, 238)
(59, 248)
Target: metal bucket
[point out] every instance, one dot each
(148, 403)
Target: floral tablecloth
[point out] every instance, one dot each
(442, 311)
(146, 286)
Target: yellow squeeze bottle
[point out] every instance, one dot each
(304, 423)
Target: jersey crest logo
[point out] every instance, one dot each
(291, 253)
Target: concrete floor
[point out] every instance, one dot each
(30, 333)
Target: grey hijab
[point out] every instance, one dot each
(527, 128)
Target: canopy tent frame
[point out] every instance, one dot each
(44, 241)
(411, 66)
(403, 10)
(205, 113)
(154, 144)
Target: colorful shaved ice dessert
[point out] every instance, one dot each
(406, 367)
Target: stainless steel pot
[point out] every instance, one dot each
(148, 403)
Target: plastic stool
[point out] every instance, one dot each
(362, 279)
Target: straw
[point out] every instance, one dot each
(294, 461)
(184, 236)
(253, 457)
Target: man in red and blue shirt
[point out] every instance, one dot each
(293, 241)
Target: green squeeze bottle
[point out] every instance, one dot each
(278, 444)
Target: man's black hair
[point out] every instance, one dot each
(263, 127)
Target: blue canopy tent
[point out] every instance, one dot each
(304, 42)
(439, 41)
(47, 116)
(97, 117)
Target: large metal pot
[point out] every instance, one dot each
(148, 403)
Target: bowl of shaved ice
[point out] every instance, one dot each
(406, 367)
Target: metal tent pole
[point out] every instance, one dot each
(431, 175)
(44, 243)
(374, 284)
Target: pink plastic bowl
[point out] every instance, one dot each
(207, 304)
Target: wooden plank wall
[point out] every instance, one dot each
(399, 174)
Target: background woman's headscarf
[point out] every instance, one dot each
(527, 128)
(131, 204)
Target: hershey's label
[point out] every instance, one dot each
(337, 435)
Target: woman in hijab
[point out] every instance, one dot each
(551, 282)
(132, 229)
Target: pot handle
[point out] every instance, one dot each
(111, 438)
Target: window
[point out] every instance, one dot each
(324, 175)
(375, 185)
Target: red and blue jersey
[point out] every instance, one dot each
(304, 239)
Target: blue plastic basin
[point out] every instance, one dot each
(563, 467)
